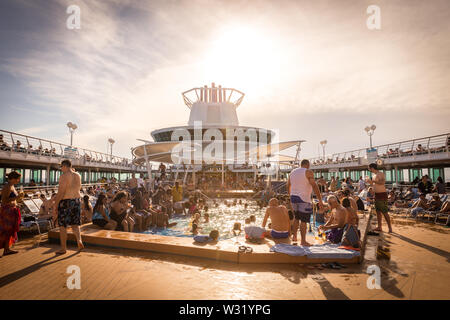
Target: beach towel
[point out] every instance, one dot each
(330, 251)
(288, 249)
(324, 251)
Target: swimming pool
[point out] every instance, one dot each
(221, 218)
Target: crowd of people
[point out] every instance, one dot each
(141, 204)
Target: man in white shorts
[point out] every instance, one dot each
(300, 185)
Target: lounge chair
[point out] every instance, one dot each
(34, 212)
(441, 215)
(430, 213)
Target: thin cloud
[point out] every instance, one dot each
(122, 74)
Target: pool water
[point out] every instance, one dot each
(221, 218)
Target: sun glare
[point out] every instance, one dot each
(243, 56)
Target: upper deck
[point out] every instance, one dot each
(18, 149)
(427, 151)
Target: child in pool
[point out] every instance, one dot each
(195, 229)
(214, 235)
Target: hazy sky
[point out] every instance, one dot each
(311, 69)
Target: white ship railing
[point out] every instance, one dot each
(410, 148)
(12, 142)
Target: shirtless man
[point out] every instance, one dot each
(336, 222)
(45, 211)
(279, 217)
(347, 194)
(381, 206)
(68, 205)
(352, 215)
(300, 185)
(160, 219)
(133, 184)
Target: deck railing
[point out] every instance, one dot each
(421, 146)
(18, 143)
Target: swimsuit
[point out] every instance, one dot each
(98, 219)
(335, 235)
(302, 209)
(381, 204)
(279, 234)
(9, 222)
(69, 212)
(118, 218)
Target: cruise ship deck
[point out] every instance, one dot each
(39, 159)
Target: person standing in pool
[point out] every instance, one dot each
(381, 205)
(133, 184)
(300, 185)
(68, 205)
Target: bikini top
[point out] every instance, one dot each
(13, 194)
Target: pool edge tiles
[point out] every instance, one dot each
(224, 250)
(150, 242)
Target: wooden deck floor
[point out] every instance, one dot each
(419, 269)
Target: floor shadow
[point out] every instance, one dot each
(390, 286)
(328, 290)
(293, 276)
(434, 250)
(7, 279)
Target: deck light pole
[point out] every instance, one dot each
(370, 130)
(72, 127)
(323, 143)
(111, 142)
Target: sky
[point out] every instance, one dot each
(312, 70)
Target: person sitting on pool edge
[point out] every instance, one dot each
(100, 216)
(336, 222)
(160, 218)
(280, 223)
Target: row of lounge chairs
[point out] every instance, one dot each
(430, 215)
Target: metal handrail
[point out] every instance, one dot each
(115, 160)
(428, 141)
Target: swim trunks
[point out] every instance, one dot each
(279, 234)
(381, 203)
(69, 212)
(302, 209)
(335, 235)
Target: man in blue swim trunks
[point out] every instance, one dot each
(279, 217)
(300, 185)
